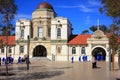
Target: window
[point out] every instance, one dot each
(22, 33)
(83, 50)
(73, 50)
(21, 49)
(40, 32)
(59, 50)
(2, 50)
(10, 50)
(58, 32)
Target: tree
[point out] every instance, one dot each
(7, 12)
(104, 28)
(113, 44)
(85, 32)
(93, 28)
(112, 8)
(9, 32)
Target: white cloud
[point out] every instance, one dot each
(19, 16)
(83, 8)
(88, 6)
(68, 6)
(94, 3)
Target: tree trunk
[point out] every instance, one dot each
(119, 61)
(113, 61)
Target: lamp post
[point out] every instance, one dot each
(28, 43)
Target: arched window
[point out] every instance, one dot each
(83, 50)
(22, 33)
(73, 50)
(58, 32)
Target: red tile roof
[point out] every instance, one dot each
(80, 39)
(11, 40)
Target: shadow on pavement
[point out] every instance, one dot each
(37, 75)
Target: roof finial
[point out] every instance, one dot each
(98, 24)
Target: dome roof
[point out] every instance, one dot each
(44, 5)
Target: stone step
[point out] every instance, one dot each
(40, 58)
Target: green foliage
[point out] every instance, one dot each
(93, 28)
(114, 29)
(101, 27)
(113, 42)
(112, 9)
(113, 39)
(85, 32)
(7, 12)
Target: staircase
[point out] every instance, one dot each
(40, 58)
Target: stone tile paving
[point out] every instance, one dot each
(51, 70)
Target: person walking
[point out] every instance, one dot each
(94, 64)
(72, 59)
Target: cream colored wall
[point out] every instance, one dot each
(38, 14)
(43, 13)
(53, 29)
(64, 50)
(27, 24)
(4, 54)
(41, 19)
(65, 28)
(88, 52)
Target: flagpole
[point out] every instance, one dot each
(98, 23)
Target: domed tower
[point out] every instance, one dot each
(41, 20)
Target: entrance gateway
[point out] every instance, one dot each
(99, 54)
(39, 51)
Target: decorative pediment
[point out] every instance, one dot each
(98, 37)
(98, 34)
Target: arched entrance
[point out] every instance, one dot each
(39, 51)
(99, 54)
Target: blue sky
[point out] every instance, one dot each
(81, 13)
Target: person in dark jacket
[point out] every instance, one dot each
(94, 63)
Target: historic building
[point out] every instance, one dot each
(51, 37)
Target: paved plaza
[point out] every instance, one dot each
(55, 70)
